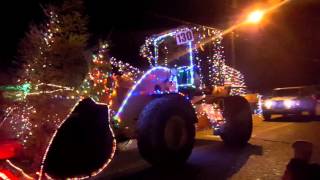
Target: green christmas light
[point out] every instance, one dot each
(25, 88)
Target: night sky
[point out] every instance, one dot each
(282, 51)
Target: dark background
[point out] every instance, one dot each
(282, 51)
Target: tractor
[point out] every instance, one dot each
(162, 110)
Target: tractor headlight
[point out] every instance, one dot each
(268, 104)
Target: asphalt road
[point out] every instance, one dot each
(265, 158)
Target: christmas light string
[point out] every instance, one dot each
(25, 175)
(218, 72)
(55, 133)
(117, 117)
(100, 82)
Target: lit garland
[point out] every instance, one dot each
(117, 117)
(28, 117)
(32, 121)
(101, 80)
(40, 61)
(259, 110)
(26, 176)
(18, 118)
(21, 92)
(207, 52)
(125, 69)
(213, 63)
(80, 177)
(98, 83)
(25, 88)
(235, 80)
(209, 60)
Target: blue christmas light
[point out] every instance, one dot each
(190, 68)
(124, 103)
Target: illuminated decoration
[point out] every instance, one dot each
(43, 88)
(18, 118)
(211, 112)
(20, 92)
(210, 63)
(35, 117)
(7, 175)
(204, 60)
(187, 72)
(117, 117)
(100, 81)
(199, 63)
(26, 176)
(191, 64)
(32, 121)
(39, 64)
(43, 108)
(86, 176)
(235, 80)
(258, 110)
(25, 88)
(16, 92)
(125, 69)
(40, 106)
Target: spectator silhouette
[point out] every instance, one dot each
(299, 167)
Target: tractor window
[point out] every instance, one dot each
(172, 55)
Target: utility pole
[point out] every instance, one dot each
(234, 5)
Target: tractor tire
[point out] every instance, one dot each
(166, 131)
(237, 129)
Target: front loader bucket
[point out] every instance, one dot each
(82, 146)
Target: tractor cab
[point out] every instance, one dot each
(193, 54)
(174, 50)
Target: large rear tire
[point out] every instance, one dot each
(237, 129)
(166, 131)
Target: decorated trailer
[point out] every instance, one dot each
(187, 82)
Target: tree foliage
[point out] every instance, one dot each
(54, 51)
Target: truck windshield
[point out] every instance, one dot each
(287, 92)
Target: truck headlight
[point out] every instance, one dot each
(268, 104)
(289, 103)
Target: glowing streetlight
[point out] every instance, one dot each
(255, 17)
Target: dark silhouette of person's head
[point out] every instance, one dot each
(302, 150)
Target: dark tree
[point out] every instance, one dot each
(54, 52)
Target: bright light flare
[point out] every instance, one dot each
(268, 104)
(255, 16)
(290, 103)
